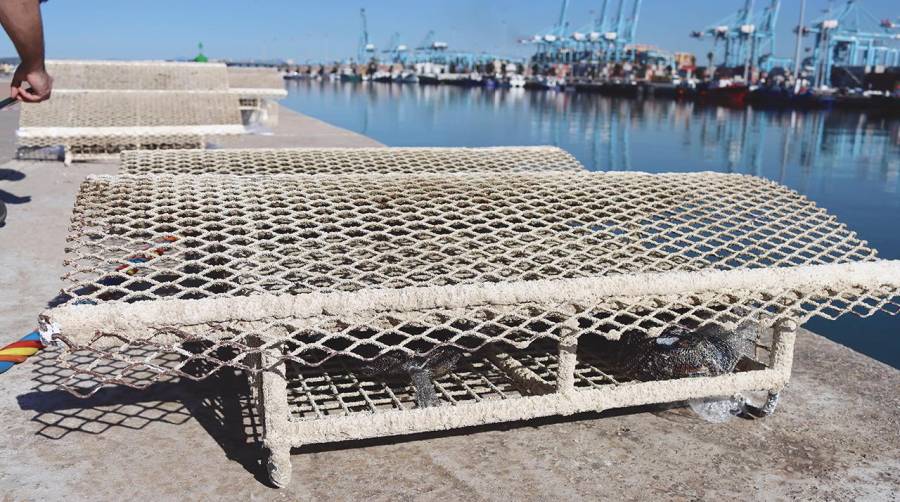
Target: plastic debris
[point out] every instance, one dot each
(718, 410)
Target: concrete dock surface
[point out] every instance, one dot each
(835, 435)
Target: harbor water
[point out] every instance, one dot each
(847, 162)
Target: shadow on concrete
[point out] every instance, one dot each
(504, 426)
(7, 197)
(58, 300)
(221, 404)
(13, 199)
(11, 175)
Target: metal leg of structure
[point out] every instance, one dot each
(273, 408)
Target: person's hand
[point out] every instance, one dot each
(40, 82)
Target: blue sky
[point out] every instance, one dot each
(314, 30)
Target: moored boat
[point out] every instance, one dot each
(724, 94)
(351, 77)
(516, 81)
(620, 88)
(406, 77)
(383, 77)
(429, 79)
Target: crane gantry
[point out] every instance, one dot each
(745, 38)
(605, 40)
(851, 36)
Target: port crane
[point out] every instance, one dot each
(430, 50)
(366, 50)
(604, 40)
(763, 49)
(553, 45)
(588, 39)
(617, 40)
(607, 38)
(748, 38)
(850, 36)
(397, 51)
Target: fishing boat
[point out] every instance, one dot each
(349, 75)
(548, 83)
(463, 80)
(770, 97)
(383, 77)
(724, 93)
(777, 97)
(620, 88)
(662, 87)
(473, 79)
(429, 79)
(867, 100)
(588, 86)
(406, 77)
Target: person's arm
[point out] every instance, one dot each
(22, 21)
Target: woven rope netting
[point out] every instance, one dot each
(217, 268)
(138, 75)
(256, 81)
(340, 161)
(131, 109)
(109, 122)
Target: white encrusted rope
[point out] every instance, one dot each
(106, 76)
(253, 92)
(161, 93)
(337, 161)
(394, 422)
(146, 62)
(81, 322)
(78, 132)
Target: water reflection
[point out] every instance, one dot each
(847, 162)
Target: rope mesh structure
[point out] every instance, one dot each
(256, 82)
(325, 270)
(138, 75)
(344, 161)
(90, 123)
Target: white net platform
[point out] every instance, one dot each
(91, 123)
(138, 75)
(336, 269)
(343, 161)
(256, 82)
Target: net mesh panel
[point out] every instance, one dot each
(138, 75)
(131, 109)
(262, 80)
(140, 239)
(337, 389)
(153, 111)
(251, 103)
(342, 161)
